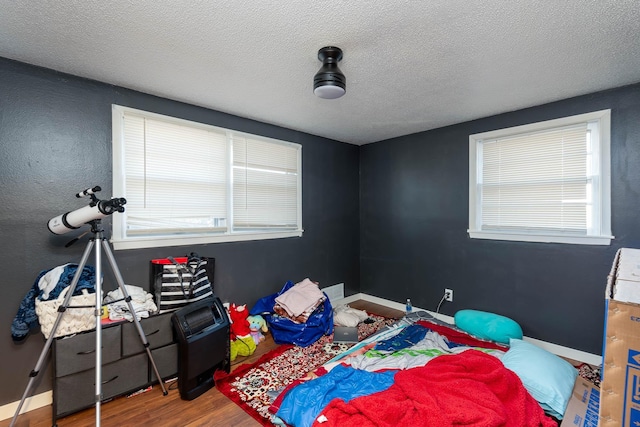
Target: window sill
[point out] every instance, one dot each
(157, 242)
(542, 238)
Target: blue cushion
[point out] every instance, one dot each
(547, 377)
(488, 326)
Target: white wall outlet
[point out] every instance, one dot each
(448, 295)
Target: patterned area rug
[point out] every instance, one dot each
(255, 386)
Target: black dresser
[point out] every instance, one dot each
(125, 364)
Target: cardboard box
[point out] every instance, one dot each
(582, 410)
(620, 387)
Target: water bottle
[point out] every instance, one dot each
(408, 307)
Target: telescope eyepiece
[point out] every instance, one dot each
(88, 191)
(108, 207)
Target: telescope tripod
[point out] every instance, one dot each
(98, 242)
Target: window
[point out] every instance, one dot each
(189, 183)
(543, 182)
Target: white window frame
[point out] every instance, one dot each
(600, 234)
(121, 240)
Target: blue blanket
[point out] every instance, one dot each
(303, 403)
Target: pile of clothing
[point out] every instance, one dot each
(50, 285)
(300, 301)
(141, 300)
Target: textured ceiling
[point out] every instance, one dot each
(410, 65)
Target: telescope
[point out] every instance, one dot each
(64, 223)
(96, 210)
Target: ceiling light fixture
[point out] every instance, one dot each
(329, 82)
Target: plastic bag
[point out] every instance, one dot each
(285, 331)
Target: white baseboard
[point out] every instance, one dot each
(570, 353)
(34, 402)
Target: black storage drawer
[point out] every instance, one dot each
(166, 359)
(77, 391)
(125, 375)
(157, 330)
(73, 393)
(78, 352)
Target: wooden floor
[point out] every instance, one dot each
(153, 409)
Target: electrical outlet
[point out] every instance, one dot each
(448, 295)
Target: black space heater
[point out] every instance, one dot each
(202, 329)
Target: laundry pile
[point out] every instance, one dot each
(141, 300)
(300, 301)
(49, 290)
(47, 287)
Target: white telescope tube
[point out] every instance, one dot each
(75, 219)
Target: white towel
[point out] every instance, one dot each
(49, 280)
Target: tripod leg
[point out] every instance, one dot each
(52, 334)
(98, 320)
(125, 294)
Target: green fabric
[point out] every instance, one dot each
(488, 326)
(242, 346)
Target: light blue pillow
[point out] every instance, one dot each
(488, 326)
(547, 377)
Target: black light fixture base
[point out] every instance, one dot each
(330, 54)
(329, 82)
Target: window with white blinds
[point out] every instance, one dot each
(189, 183)
(545, 182)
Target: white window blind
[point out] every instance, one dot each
(544, 182)
(188, 183)
(265, 177)
(537, 181)
(175, 178)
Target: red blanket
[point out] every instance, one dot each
(466, 389)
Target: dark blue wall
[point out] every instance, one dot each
(414, 216)
(55, 140)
